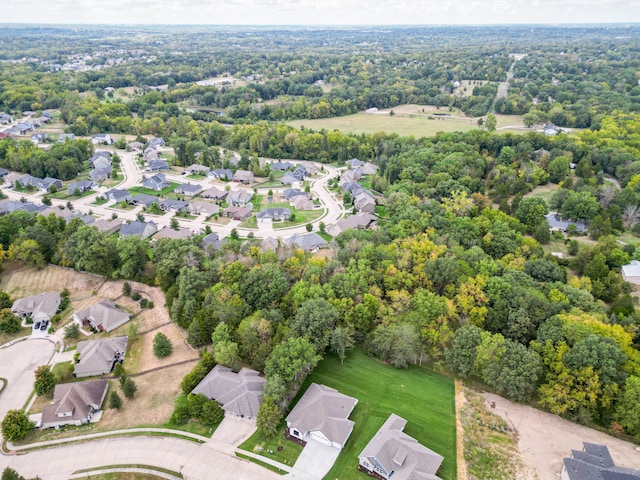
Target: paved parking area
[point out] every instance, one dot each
(233, 431)
(17, 364)
(314, 462)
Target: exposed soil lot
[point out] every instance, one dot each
(545, 439)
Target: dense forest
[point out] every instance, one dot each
(456, 276)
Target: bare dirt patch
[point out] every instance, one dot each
(545, 439)
(30, 281)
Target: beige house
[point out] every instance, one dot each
(322, 414)
(240, 394)
(37, 307)
(101, 316)
(243, 176)
(74, 403)
(99, 356)
(391, 453)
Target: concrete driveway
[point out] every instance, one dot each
(233, 431)
(314, 462)
(17, 364)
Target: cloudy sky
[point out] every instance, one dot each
(319, 12)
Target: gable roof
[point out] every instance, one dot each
(554, 221)
(40, 307)
(632, 269)
(108, 225)
(326, 410)
(144, 199)
(99, 355)
(395, 451)
(594, 462)
(168, 232)
(76, 399)
(214, 193)
(143, 229)
(103, 314)
(306, 241)
(188, 189)
(238, 393)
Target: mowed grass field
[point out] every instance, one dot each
(425, 399)
(416, 120)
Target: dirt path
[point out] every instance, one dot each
(545, 439)
(460, 461)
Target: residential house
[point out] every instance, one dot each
(364, 203)
(99, 175)
(171, 205)
(156, 182)
(309, 242)
(5, 118)
(203, 208)
(27, 181)
(269, 244)
(144, 199)
(289, 179)
(140, 229)
(550, 129)
(168, 232)
(289, 193)
(63, 137)
(82, 186)
(355, 163)
(322, 414)
(9, 206)
(237, 213)
(391, 453)
(188, 190)
(360, 220)
(74, 403)
(556, 224)
(368, 169)
(211, 242)
(197, 169)
(158, 165)
(214, 194)
(269, 215)
(631, 272)
(39, 137)
(12, 178)
(239, 198)
(102, 316)
(350, 176)
(46, 184)
(98, 357)
(137, 147)
(3, 172)
(100, 160)
(110, 226)
(300, 173)
(221, 174)
(239, 394)
(37, 307)
(150, 154)
(63, 212)
(302, 202)
(118, 195)
(102, 139)
(594, 462)
(281, 166)
(155, 142)
(243, 176)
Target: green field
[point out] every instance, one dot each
(425, 399)
(165, 192)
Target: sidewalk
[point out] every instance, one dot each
(273, 463)
(106, 471)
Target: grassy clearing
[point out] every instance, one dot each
(162, 193)
(544, 191)
(425, 399)
(284, 451)
(302, 216)
(490, 447)
(262, 464)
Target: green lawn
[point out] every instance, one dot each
(165, 192)
(423, 398)
(263, 445)
(302, 216)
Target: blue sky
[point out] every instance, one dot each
(320, 12)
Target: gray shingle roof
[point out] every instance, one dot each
(102, 315)
(594, 462)
(39, 307)
(238, 393)
(99, 355)
(326, 410)
(77, 399)
(306, 241)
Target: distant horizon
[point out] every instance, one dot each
(323, 13)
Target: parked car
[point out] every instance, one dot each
(44, 325)
(36, 326)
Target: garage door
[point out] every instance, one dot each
(321, 438)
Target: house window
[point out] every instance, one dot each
(296, 433)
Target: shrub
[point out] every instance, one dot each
(196, 402)
(129, 387)
(16, 425)
(118, 370)
(126, 289)
(72, 331)
(180, 415)
(211, 413)
(162, 346)
(115, 402)
(135, 296)
(45, 380)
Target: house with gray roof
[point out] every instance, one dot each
(158, 165)
(81, 186)
(273, 215)
(118, 195)
(135, 146)
(37, 307)
(102, 316)
(243, 176)
(140, 229)
(156, 182)
(144, 199)
(197, 169)
(239, 394)
(557, 224)
(364, 203)
(290, 193)
(98, 357)
(308, 242)
(100, 159)
(206, 208)
(239, 198)
(281, 166)
(354, 163)
(102, 139)
(594, 462)
(322, 414)
(46, 183)
(39, 137)
(74, 403)
(360, 220)
(108, 226)
(289, 179)
(302, 202)
(237, 213)
(188, 189)
(221, 174)
(171, 205)
(10, 206)
(211, 242)
(269, 244)
(631, 272)
(63, 137)
(3, 172)
(155, 142)
(391, 453)
(168, 232)
(214, 194)
(100, 174)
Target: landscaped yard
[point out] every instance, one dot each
(262, 445)
(302, 216)
(165, 192)
(425, 399)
